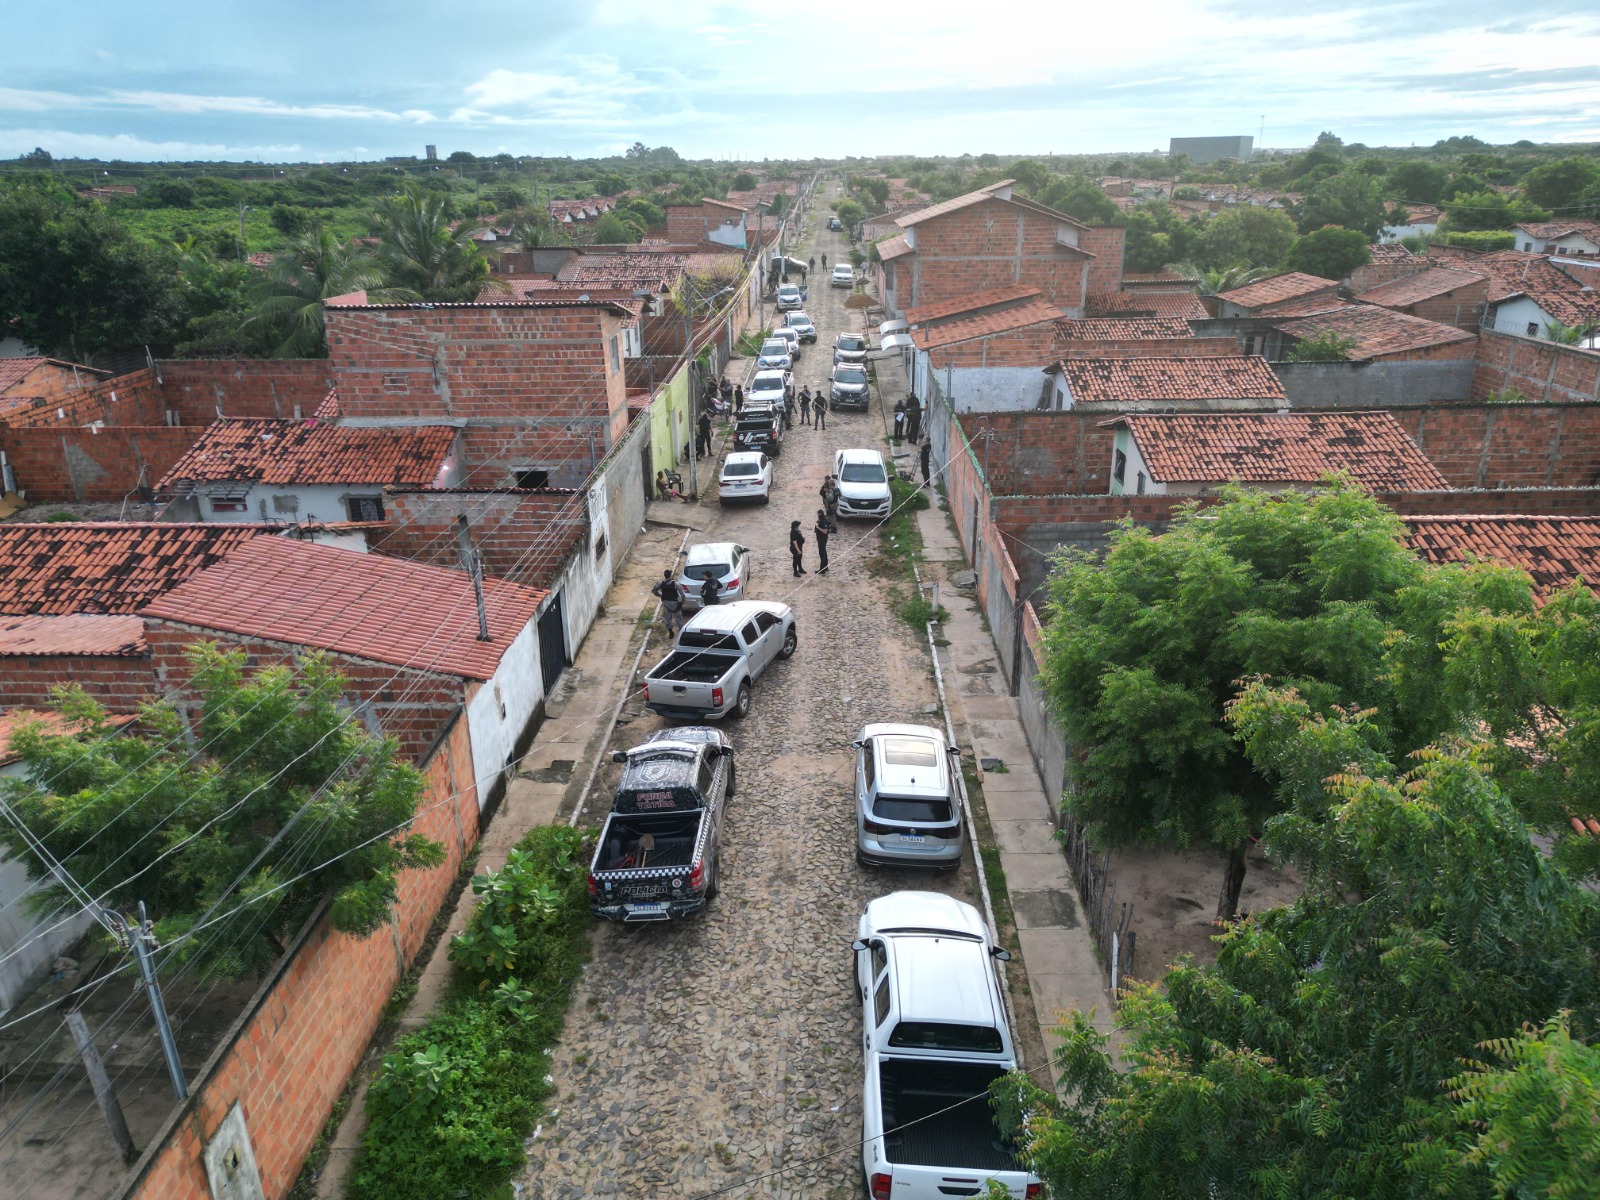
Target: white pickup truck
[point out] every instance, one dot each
(719, 653)
(934, 1037)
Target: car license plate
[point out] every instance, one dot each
(916, 839)
(659, 906)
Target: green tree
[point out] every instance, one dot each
(743, 182)
(1488, 210)
(1031, 175)
(1533, 1112)
(291, 220)
(1247, 235)
(77, 284)
(1143, 651)
(610, 184)
(1326, 346)
(1558, 185)
(421, 256)
(617, 229)
(284, 781)
(1212, 282)
(532, 228)
(849, 213)
(286, 302)
(1330, 252)
(1158, 234)
(1416, 180)
(1352, 201)
(1080, 198)
(1311, 1060)
(1329, 143)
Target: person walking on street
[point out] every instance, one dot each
(899, 421)
(819, 406)
(811, 264)
(797, 547)
(703, 435)
(738, 398)
(824, 262)
(927, 455)
(671, 603)
(913, 417)
(822, 529)
(805, 406)
(710, 591)
(830, 497)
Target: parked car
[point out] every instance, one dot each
(907, 811)
(802, 325)
(745, 475)
(776, 355)
(773, 387)
(848, 387)
(728, 561)
(844, 275)
(934, 1035)
(790, 335)
(759, 428)
(849, 348)
(863, 483)
(790, 297)
(657, 854)
(720, 652)
(834, 224)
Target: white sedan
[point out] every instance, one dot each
(746, 475)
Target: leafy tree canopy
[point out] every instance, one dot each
(1352, 200)
(1559, 185)
(1244, 235)
(1489, 210)
(422, 257)
(284, 785)
(1417, 181)
(1081, 198)
(743, 182)
(616, 228)
(1330, 252)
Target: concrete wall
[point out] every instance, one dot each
(1365, 385)
(30, 941)
(500, 711)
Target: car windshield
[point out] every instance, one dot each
(775, 347)
(937, 1035)
(799, 318)
(740, 468)
(852, 343)
(705, 570)
(901, 808)
(789, 289)
(861, 473)
(910, 752)
(849, 375)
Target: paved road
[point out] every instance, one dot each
(721, 1055)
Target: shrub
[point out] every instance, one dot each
(1327, 346)
(1482, 239)
(454, 1100)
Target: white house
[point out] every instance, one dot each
(1558, 237)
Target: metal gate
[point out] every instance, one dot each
(552, 643)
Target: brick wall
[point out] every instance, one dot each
(1043, 453)
(47, 381)
(523, 536)
(84, 465)
(1541, 371)
(201, 390)
(120, 682)
(287, 1058)
(1028, 347)
(413, 706)
(1106, 243)
(992, 244)
(1375, 274)
(1196, 347)
(1463, 307)
(1509, 445)
(132, 399)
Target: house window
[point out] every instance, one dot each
(364, 508)
(1533, 329)
(600, 547)
(1250, 344)
(1119, 466)
(228, 506)
(616, 356)
(1141, 483)
(533, 479)
(1528, 246)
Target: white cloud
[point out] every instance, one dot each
(67, 144)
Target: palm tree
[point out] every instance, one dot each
(288, 299)
(421, 256)
(532, 228)
(1209, 282)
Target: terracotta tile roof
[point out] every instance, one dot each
(1122, 329)
(1132, 380)
(369, 606)
(1424, 285)
(14, 370)
(328, 410)
(1389, 252)
(270, 450)
(1553, 230)
(893, 248)
(1372, 447)
(1512, 273)
(76, 633)
(113, 567)
(922, 314)
(629, 269)
(1555, 550)
(1379, 332)
(978, 197)
(13, 719)
(1307, 308)
(1004, 320)
(1291, 285)
(1184, 305)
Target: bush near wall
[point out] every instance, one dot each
(455, 1099)
(1483, 240)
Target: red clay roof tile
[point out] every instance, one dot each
(1379, 332)
(1185, 306)
(1131, 380)
(76, 633)
(1372, 447)
(286, 451)
(1003, 320)
(1291, 285)
(1424, 285)
(1123, 329)
(921, 314)
(1555, 550)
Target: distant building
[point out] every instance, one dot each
(1210, 149)
(432, 153)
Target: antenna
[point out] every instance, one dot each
(1261, 134)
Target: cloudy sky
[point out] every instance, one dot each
(358, 79)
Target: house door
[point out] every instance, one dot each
(552, 643)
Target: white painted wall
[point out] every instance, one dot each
(994, 389)
(1572, 243)
(1514, 316)
(500, 709)
(21, 970)
(1135, 467)
(728, 235)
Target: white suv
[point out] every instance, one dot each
(844, 275)
(907, 812)
(863, 483)
(775, 355)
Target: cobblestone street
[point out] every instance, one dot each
(721, 1055)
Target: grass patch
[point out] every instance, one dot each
(916, 610)
(749, 344)
(455, 1099)
(899, 537)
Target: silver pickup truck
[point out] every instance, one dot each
(719, 653)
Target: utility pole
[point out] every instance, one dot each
(142, 941)
(243, 208)
(472, 564)
(694, 383)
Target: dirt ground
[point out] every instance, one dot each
(1174, 900)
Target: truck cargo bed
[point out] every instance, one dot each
(931, 1126)
(675, 836)
(693, 666)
